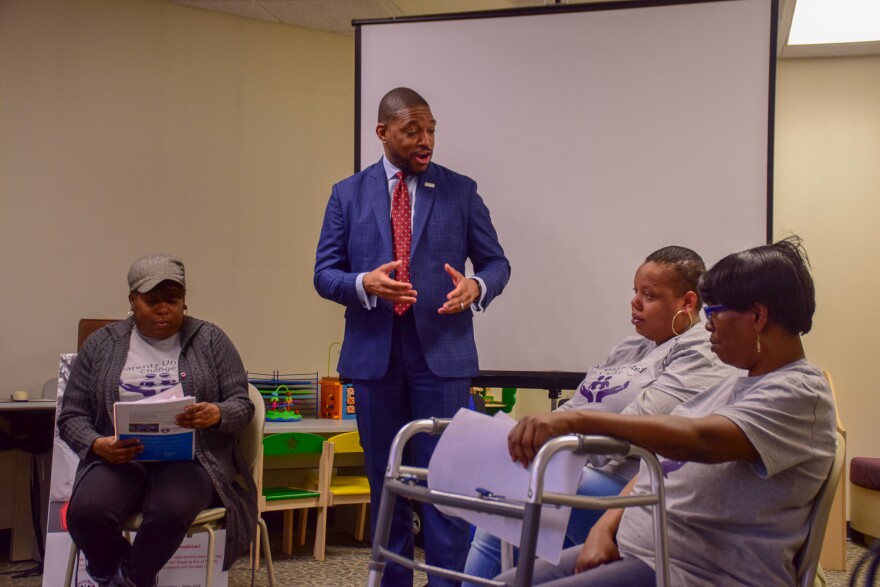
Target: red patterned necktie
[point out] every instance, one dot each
(401, 227)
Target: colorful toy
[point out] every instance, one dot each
(331, 398)
(285, 413)
(348, 392)
(337, 400)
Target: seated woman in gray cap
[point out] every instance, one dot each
(157, 347)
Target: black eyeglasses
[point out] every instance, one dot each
(710, 310)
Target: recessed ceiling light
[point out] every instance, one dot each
(835, 21)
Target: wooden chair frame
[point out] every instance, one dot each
(316, 498)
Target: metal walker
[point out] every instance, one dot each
(402, 481)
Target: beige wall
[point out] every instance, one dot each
(827, 190)
(129, 127)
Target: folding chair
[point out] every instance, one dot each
(401, 481)
(807, 559)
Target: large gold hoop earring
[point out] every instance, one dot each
(689, 315)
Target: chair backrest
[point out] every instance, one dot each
(807, 559)
(840, 427)
(251, 438)
(50, 389)
(292, 443)
(347, 442)
(88, 326)
(299, 443)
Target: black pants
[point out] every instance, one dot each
(170, 495)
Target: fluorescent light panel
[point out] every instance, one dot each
(819, 22)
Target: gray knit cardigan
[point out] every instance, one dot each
(211, 370)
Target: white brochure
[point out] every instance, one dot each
(471, 459)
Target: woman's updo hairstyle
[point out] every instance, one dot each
(686, 266)
(776, 276)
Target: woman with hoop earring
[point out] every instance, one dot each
(668, 362)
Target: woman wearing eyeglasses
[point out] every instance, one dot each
(668, 362)
(743, 460)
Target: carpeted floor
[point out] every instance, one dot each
(345, 566)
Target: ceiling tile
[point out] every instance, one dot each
(326, 15)
(336, 16)
(243, 8)
(423, 7)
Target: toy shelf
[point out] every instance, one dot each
(288, 396)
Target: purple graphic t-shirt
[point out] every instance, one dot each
(151, 366)
(677, 369)
(640, 377)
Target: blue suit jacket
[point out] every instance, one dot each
(451, 223)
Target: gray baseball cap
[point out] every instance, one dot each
(151, 270)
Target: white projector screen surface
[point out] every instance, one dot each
(596, 137)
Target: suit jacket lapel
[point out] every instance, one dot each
(425, 197)
(377, 192)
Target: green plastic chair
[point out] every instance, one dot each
(288, 499)
(508, 398)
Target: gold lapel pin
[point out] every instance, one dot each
(428, 184)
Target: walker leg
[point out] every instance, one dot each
(380, 537)
(528, 544)
(506, 556)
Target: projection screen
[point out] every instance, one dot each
(597, 134)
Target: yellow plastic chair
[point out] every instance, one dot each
(311, 451)
(350, 489)
(347, 489)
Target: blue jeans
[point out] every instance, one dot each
(484, 558)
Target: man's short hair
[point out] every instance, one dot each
(396, 100)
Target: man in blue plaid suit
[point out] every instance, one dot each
(409, 341)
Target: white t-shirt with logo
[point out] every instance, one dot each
(151, 366)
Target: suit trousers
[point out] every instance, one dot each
(170, 495)
(409, 391)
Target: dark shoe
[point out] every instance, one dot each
(106, 581)
(102, 581)
(123, 580)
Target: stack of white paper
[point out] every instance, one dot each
(472, 454)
